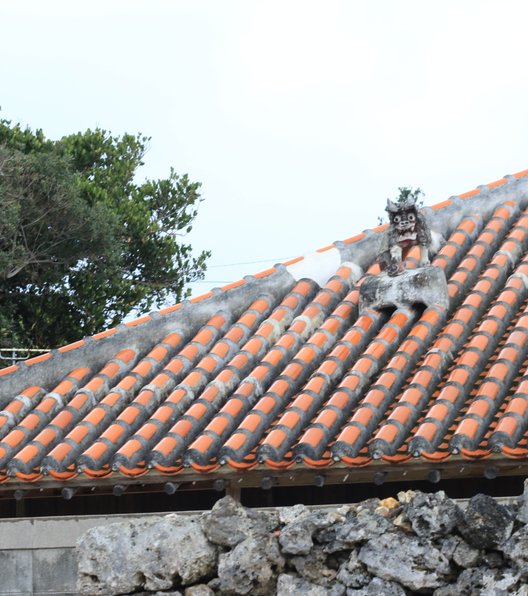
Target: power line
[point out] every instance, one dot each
(227, 281)
(251, 262)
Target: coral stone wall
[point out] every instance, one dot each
(417, 543)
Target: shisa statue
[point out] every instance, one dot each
(407, 228)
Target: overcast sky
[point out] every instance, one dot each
(299, 118)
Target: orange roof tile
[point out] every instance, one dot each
(273, 371)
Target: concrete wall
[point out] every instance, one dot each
(37, 555)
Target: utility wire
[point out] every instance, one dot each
(279, 260)
(227, 281)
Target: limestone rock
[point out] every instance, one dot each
(465, 555)
(296, 538)
(368, 505)
(289, 585)
(228, 523)
(358, 527)
(199, 590)
(250, 568)
(378, 587)
(483, 582)
(353, 573)
(289, 515)
(312, 567)
(492, 559)
(505, 583)
(485, 523)
(336, 589)
(516, 549)
(414, 563)
(431, 515)
(405, 497)
(402, 522)
(460, 552)
(388, 507)
(522, 514)
(422, 543)
(153, 554)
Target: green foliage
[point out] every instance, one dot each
(81, 242)
(407, 192)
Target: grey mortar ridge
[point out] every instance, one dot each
(186, 320)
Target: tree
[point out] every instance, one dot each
(407, 192)
(81, 242)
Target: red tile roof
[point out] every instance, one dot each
(281, 370)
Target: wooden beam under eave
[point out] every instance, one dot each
(297, 475)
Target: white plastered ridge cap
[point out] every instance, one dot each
(320, 266)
